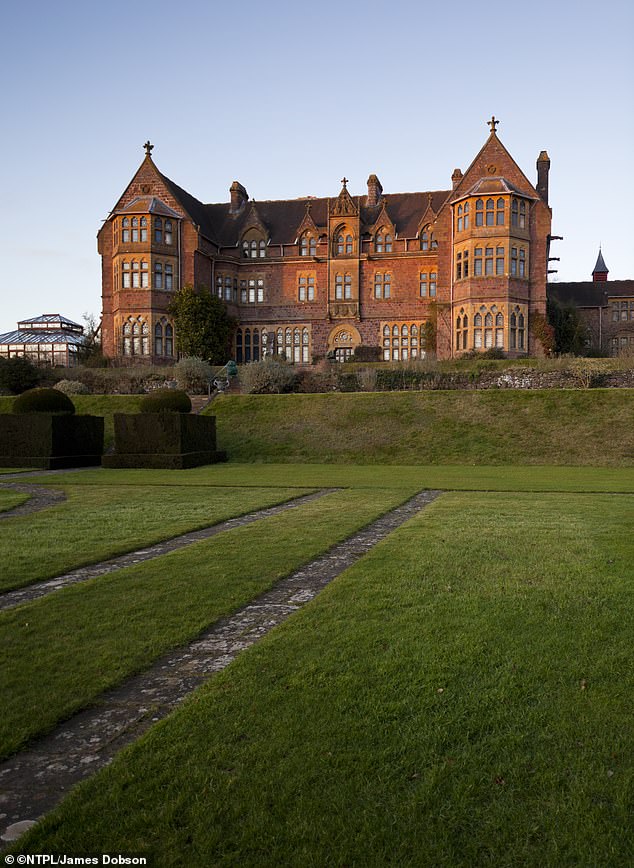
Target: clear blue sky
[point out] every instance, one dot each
(287, 98)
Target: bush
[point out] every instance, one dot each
(18, 374)
(269, 377)
(166, 401)
(43, 401)
(364, 353)
(72, 387)
(193, 374)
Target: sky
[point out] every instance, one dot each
(287, 98)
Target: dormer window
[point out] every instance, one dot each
(308, 245)
(254, 245)
(427, 240)
(383, 242)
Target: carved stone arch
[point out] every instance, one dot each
(344, 336)
(346, 231)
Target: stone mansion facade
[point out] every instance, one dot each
(315, 276)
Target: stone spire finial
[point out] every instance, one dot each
(493, 124)
(148, 148)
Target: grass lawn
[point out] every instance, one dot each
(98, 522)
(450, 478)
(460, 697)
(94, 634)
(9, 499)
(558, 426)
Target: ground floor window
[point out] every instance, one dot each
(517, 330)
(136, 337)
(401, 341)
(163, 338)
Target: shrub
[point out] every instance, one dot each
(43, 401)
(193, 374)
(166, 401)
(268, 377)
(72, 387)
(18, 374)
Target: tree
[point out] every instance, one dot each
(203, 327)
(18, 374)
(570, 330)
(90, 353)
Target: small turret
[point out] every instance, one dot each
(456, 177)
(600, 272)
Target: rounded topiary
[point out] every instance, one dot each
(166, 401)
(43, 401)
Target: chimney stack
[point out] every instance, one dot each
(238, 197)
(543, 168)
(456, 177)
(374, 191)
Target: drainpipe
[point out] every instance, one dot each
(451, 262)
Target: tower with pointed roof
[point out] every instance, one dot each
(600, 270)
(314, 277)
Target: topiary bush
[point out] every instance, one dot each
(43, 401)
(72, 387)
(18, 374)
(166, 401)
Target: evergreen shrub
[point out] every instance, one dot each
(72, 387)
(166, 401)
(18, 374)
(43, 401)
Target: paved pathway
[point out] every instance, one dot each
(39, 498)
(10, 599)
(35, 780)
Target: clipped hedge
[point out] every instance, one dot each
(166, 401)
(50, 440)
(163, 440)
(43, 401)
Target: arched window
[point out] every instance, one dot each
(247, 345)
(158, 230)
(305, 346)
(490, 212)
(344, 245)
(424, 239)
(158, 275)
(125, 231)
(254, 244)
(143, 222)
(168, 232)
(499, 213)
(169, 281)
(256, 345)
(135, 229)
(158, 339)
(488, 330)
(383, 241)
(127, 339)
(239, 356)
(477, 331)
(136, 339)
(499, 330)
(169, 340)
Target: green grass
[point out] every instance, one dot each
(562, 427)
(98, 522)
(450, 477)
(460, 697)
(94, 634)
(10, 499)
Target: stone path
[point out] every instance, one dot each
(40, 498)
(10, 599)
(34, 781)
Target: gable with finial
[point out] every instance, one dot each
(383, 219)
(344, 205)
(307, 224)
(429, 215)
(254, 221)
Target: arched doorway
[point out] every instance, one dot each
(342, 342)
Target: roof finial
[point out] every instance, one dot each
(493, 123)
(344, 181)
(148, 148)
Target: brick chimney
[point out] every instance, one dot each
(543, 168)
(238, 197)
(374, 191)
(456, 177)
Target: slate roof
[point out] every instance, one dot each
(282, 217)
(587, 293)
(147, 204)
(600, 266)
